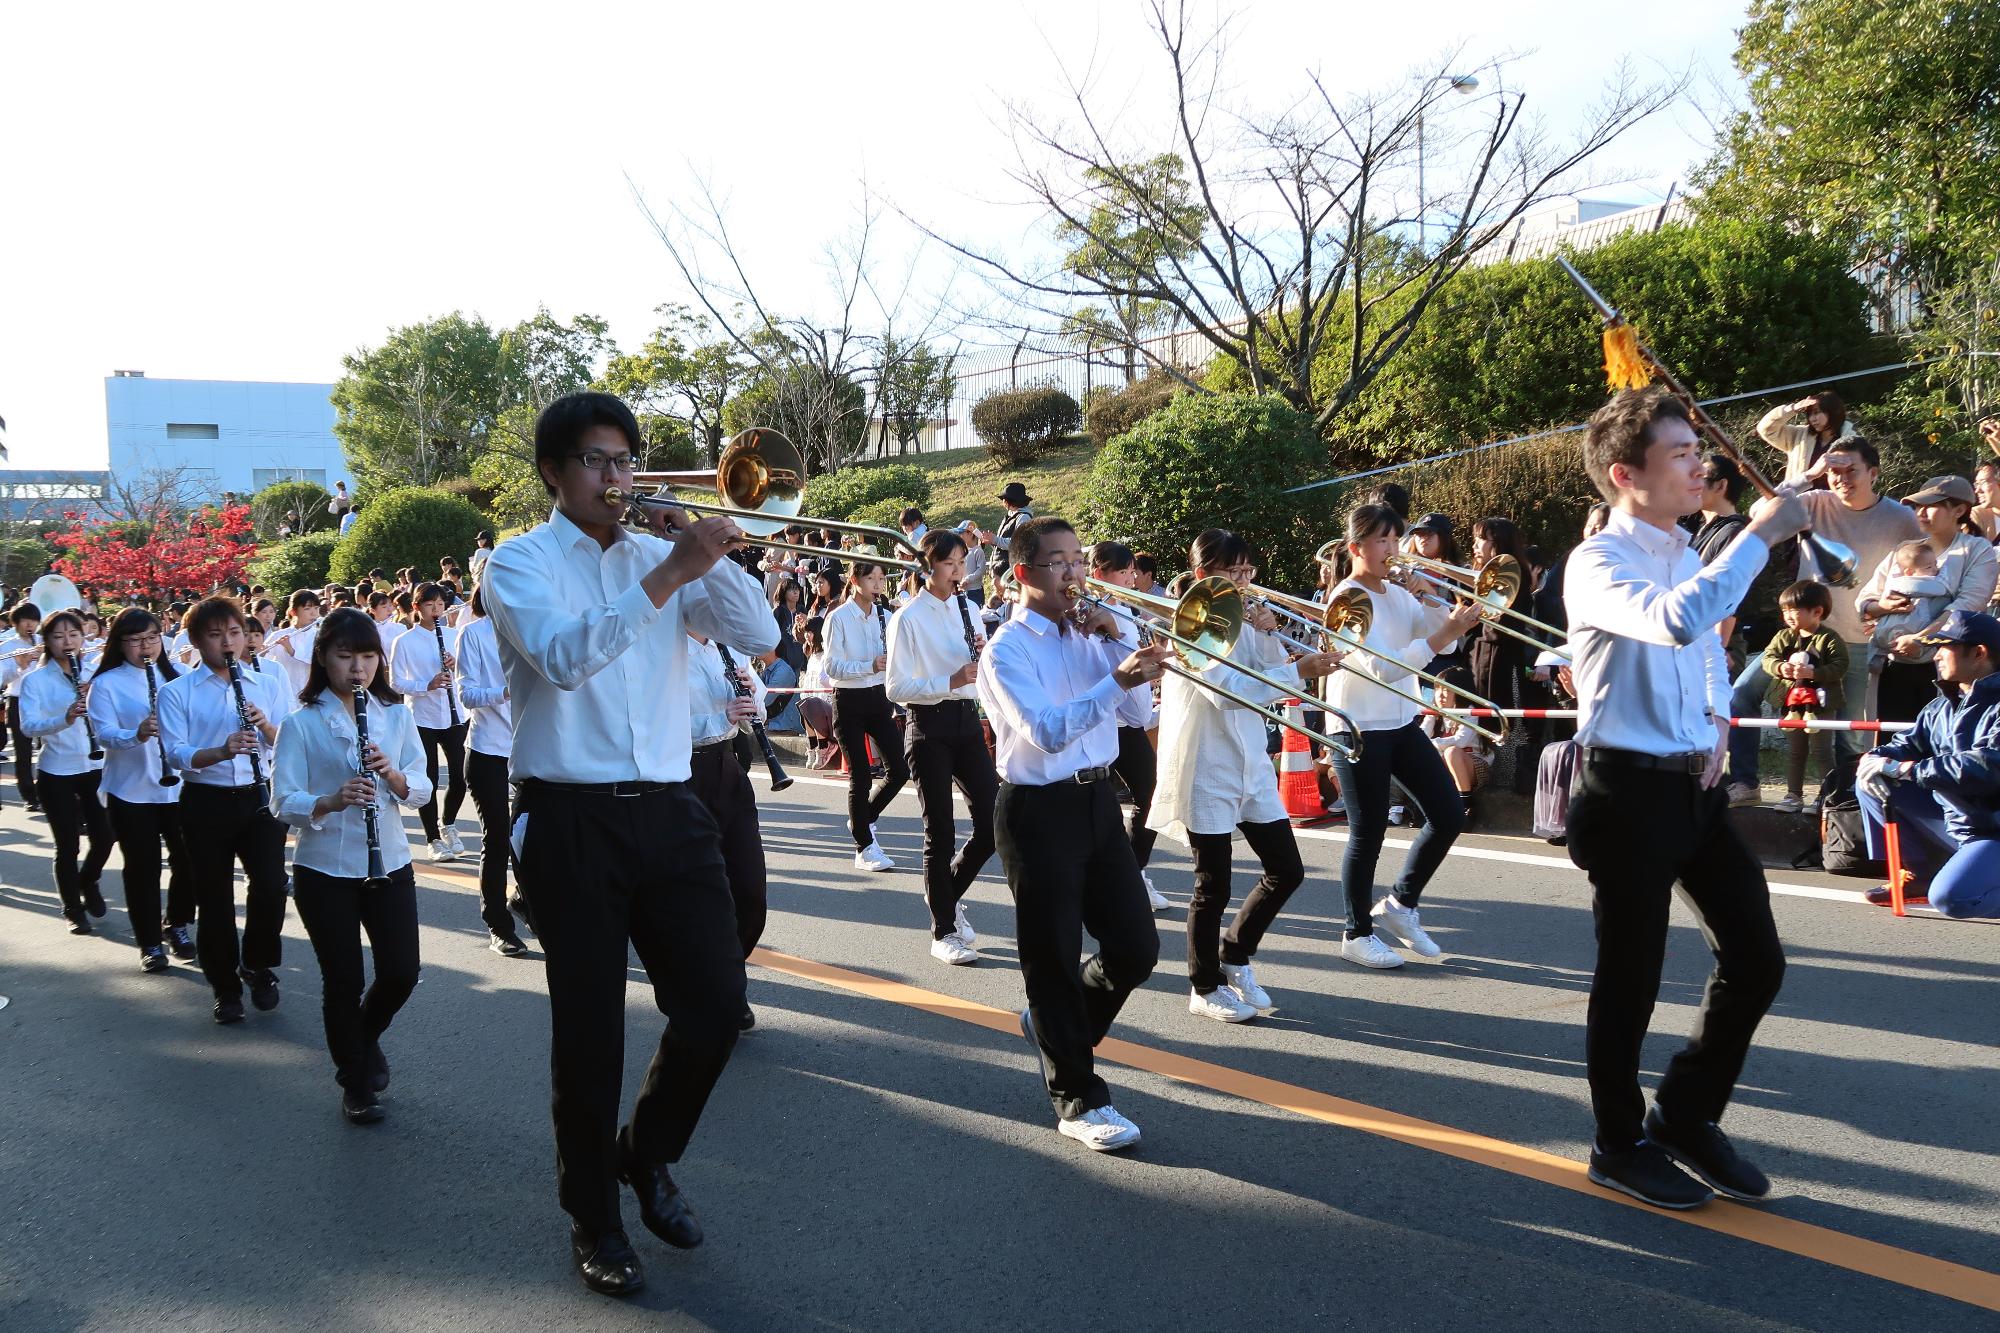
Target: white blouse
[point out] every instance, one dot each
(118, 704)
(46, 696)
(1400, 629)
(316, 756)
(1215, 769)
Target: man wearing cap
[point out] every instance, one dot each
(1940, 780)
(1967, 568)
(1015, 496)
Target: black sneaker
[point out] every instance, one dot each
(359, 1107)
(263, 984)
(507, 946)
(34, 807)
(79, 924)
(519, 907)
(179, 943)
(748, 1021)
(154, 959)
(229, 1011)
(93, 899)
(1648, 1175)
(1705, 1150)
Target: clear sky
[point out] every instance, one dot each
(238, 191)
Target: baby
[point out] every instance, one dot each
(1916, 578)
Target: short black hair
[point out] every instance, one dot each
(1806, 595)
(429, 592)
(24, 611)
(209, 610)
(1029, 538)
(912, 515)
(940, 544)
(353, 630)
(1219, 548)
(1861, 448)
(1114, 557)
(562, 424)
(1720, 467)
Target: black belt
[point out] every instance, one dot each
(1083, 777)
(626, 788)
(1694, 765)
(716, 747)
(942, 704)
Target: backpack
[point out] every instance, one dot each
(1843, 838)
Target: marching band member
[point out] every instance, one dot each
(857, 652)
(382, 610)
(482, 686)
(616, 850)
(145, 813)
(53, 705)
(222, 749)
(1393, 746)
(1051, 690)
(932, 670)
(716, 717)
(18, 656)
(1137, 765)
(1647, 809)
(316, 788)
(1215, 778)
(427, 675)
(291, 647)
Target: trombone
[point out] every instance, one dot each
(1493, 587)
(1346, 620)
(758, 481)
(1205, 623)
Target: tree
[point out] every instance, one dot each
(913, 387)
(682, 373)
(826, 417)
(174, 556)
(1878, 125)
(412, 526)
(295, 507)
(1144, 216)
(418, 409)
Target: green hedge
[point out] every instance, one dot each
(302, 562)
(1020, 425)
(22, 560)
(1108, 414)
(411, 526)
(840, 494)
(886, 513)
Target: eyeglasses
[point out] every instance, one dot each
(596, 460)
(1054, 565)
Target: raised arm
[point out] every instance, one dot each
(1605, 593)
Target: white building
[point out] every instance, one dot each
(220, 435)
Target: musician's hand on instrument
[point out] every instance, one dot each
(241, 742)
(450, 662)
(965, 675)
(149, 727)
(700, 545)
(253, 716)
(1143, 665)
(76, 709)
(739, 710)
(664, 522)
(439, 681)
(1101, 622)
(1315, 665)
(1464, 618)
(374, 760)
(356, 791)
(1776, 517)
(1261, 618)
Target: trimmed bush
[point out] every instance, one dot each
(1109, 414)
(840, 494)
(307, 505)
(411, 526)
(1207, 461)
(882, 513)
(301, 562)
(1020, 425)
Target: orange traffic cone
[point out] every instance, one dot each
(1298, 784)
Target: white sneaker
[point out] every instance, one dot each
(1369, 951)
(1811, 807)
(964, 927)
(440, 852)
(454, 842)
(1154, 897)
(1789, 804)
(1396, 815)
(1243, 981)
(954, 950)
(872, 857)
(1102, 1130)
(1402, 922)
(1742, 793)
(1220, 1004)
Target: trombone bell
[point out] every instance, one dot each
(760, 477)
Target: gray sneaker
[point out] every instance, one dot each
(1742, 793)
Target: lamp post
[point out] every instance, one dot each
(1462, 84)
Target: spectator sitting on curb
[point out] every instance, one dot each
(1940, 780)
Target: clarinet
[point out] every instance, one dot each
(450, 699)
(779, 778)
(75, 674)
(244, 724)
(376, 874)
(168, 778)
(965, 614)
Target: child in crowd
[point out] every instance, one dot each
(1807, 664)
(1917, 578)
(1463, 752)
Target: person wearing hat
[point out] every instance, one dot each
(1940, 780)
(1969, 568)
(1433, 538)
(1015, 496)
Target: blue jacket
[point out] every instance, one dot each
(1955, 745)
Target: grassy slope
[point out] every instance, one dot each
(965, 483)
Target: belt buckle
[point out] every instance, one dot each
(1697, 765)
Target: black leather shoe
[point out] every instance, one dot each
(179, 944)
(229, 1011)
(1648, 1175)
(154, 959)
(93, 899)
(748, 1021)
(263, 984)
(1705, 1150)
(378, 1067)
(662, 1206)
(79, 924)
(606, 1263)
(359, 1107)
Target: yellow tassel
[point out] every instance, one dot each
(1624, 367)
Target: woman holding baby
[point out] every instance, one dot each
(1954, 568)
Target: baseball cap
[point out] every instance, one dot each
(1939, 489)
(1967, 629)
(1438, 523)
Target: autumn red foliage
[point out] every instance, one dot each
(170, 555)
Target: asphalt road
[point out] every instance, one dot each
(870, 1163)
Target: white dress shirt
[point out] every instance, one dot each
(118, 704)
(198, 712)
(46, 695)
(599, 674)
(1649, 668)
(1215, 771)
(1051, 699)
(12, 669)
(317, 754)
(1141, 706)
(1400, 628)
(926, 646)
(413, 663)
(854, 639)
(482, 688)
(710, 694)
(391, 630)
(291, 649)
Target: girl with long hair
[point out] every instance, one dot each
(54, 704)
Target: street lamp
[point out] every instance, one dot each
(1462, 84)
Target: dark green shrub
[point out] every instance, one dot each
(1020, 425)
(412, 526)
(22, 560)
(306, 505)
(882, 513)
(840, 494)
(1109, 414)
(301, 562)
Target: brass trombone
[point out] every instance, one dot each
(1496, 585)
(1203, 626)
(1346, 620)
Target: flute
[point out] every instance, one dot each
(168, 778)
(779, 778)
(376, 874)
(76, 683)
(450, 698)
(244, 724)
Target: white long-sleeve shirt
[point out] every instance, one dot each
(1400, 628)
(598, 674)
(1051, 699)
(46, 696)
(1215, 772)
(1140, 707)
(291, 649)
(710, 694)
(1649, 668)
(198, 712)
(854, 639)
(482, 688)
(413, 663)
(13, 667)
(926, 648)
(118, 704)
(317, 754)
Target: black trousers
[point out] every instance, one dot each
(1138, 767)
(1406, 755)
(70, 802)
(225, 826)
(1639, 833)
(486, 778)
(336, 910)
(1207, 946)
(604, 873)
(1070, 868)
(143, 829)
(948, 747)
(859, 716)
(24, 752)
(452, 741)
(718, 778)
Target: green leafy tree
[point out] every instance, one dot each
(301, 562)
(412, 526)
(1143, 217)
(683, 374)
(296, 506)
(419, 408)
(913, 387)
(824, 414)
